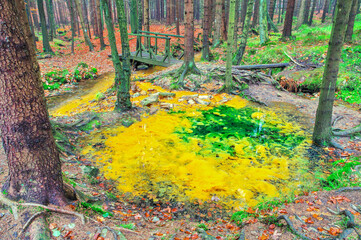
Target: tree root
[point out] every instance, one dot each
(348, 189)
(347, 132)
(351, 225)
(292, 228)
(334, 144)
(30, 220)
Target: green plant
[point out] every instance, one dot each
(344, 173)
(203, 226)
(130, 226)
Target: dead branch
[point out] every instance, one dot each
(294, 61)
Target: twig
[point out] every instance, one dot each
(30, 220)
(294, 61)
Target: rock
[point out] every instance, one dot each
(90, 171)
(200, 101)
(187, 97)
(135, 95)
(142, 67)
(153, 98)
(205, 97)
(166, 106)
(153, 110)
(166, 95)
(191, 102)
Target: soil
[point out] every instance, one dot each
(155, 220)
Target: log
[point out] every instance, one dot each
(261, 66)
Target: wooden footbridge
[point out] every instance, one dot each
(150, 54)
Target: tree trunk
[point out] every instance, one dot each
(86, 18)
(263, 23)
(44, 30)
(243, 13)
(314, 2)
(271, 10)
(322, 134)
(35, 15)
(325, 10)
(28, 14)
(224, 20)
(236, 24)
(33, 160)
(134, 16)
(287, 28)
(230, 41)
(306, 11)
(83, 26)
(71, 11)
(177, 13)
(123, 102)
(351, 22)
(217, 24)
(50, 12)
(245, 31)
(188, 64)
(168, 12)
(206, 29)
(100, 24)
(301, 14)
(255, 14)
(121, 80)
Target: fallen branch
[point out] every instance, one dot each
(294, 61)
(261, 66)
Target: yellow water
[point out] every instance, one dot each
(150, 159)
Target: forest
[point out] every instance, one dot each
(180, 119)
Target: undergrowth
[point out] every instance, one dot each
(54, 79)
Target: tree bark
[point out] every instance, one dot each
(100, 24)
(236, 25)
(243, 13)
(263, 23)
(71, 11)
(301, 14)
(206, 29)
(351, 21)
(83, 26)
(230, 41)
(33, 159)
(50, 12)
(314, 2)
(217, 24)
(44, 30)
(255, 14)
(322, 134)
(287, 29)
(123, 102)
(245, 31)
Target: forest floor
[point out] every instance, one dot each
(312, 212)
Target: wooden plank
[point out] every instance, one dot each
(156, 60)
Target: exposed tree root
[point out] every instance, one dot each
(292, 228)
(348, 189)
(347, 132)
(334, 144)
(184, 70)
(30, 220)
(351, 225)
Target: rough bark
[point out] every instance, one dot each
(236, 25)
(245, 31)
(206, 29)
(243, 13)
(351, 21)
(230, 41)
(71, 11)
(263, 23)
(301, 14)
(83, 26)
(314, 2)
(322, 134)
(287, 28)
(51, 18)
(100, 23)
(33, 159)
(217, 24)
(123, 102)
(255, 14)
(44, 30)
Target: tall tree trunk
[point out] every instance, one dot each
(243, 13)
(271, 10)
(351, 22)
(32, 156)
(236, 24)
(83, 26)
(123, 98)
(301, 14)
(30, 20)
(50, 12)
(279, 11)
(72, 22)
(255, 14)
(206, 29)
(44, 30)
(168, 12)
(245, 31)
(86, 18)
(177, 13)
(224, 20)
(314, 2)
(134, 16)
(35, 15)
(188, 64)
(123, 102)
(100, 24)
(325, 10)
(263, 23)
(287, 28)
(217, 24)
(306, 11)
(230, 41)
(146, 20)
(322, 134)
